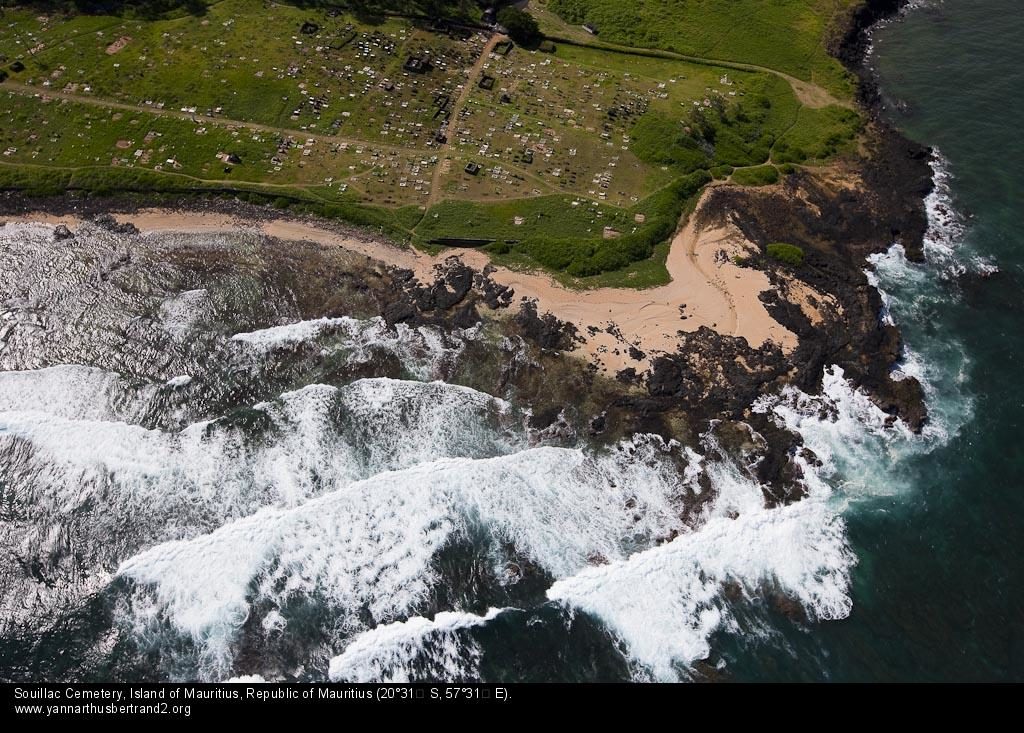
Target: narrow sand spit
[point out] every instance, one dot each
(707, 288)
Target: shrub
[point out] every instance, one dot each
(521, 26)
(761, 175)
(789, 254)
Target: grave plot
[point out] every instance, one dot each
(406, 103)
(392, 177)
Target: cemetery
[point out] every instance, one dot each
(454, 129)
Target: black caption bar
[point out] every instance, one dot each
(183, 701)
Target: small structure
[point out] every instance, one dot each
(416, 65)
(503, 48)
(505, 99)
(590, 28)
(487, 82)
(309, 28)
(17, 66)
(472, 168)
(528, 156)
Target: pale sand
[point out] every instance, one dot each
(713, 291)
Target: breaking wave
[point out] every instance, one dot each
(666, 602)
(366, 549)
(433, 647)
(339, 503)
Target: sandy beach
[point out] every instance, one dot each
(707, 288)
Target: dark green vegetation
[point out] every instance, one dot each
(521, 26)
(563, 237)
(817, 134)
(790, 254)
(720, 133)
(585, 157)
(761, 175)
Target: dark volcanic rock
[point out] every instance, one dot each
(401, 311)
(452, 284)
(450, 300)
(837, 224)
(545, 330)
(61, 232)
(545, 417)
(714, 375)
(627, 376)
(466, 316)
(108, 222)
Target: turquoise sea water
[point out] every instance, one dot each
(938, 525)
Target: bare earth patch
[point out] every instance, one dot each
(118, 45)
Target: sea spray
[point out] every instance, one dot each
(431, 647)
(367, 548)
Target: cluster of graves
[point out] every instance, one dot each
(371, 108)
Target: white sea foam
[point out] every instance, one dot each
(945, 241)
(666, 602)
(388, 653)
(426, 352)
(74, 392)
(858, 443)
(369, 546)
(85, 473)
(268, 338)
(911, 293)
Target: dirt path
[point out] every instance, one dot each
(442, 157)
(808, 94)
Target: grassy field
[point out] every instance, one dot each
(582, 160)
(786, 35)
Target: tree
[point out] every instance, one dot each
(521, 26)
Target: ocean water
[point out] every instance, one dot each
(937, 525)
(198, 483)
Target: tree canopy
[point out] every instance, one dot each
(521, 26)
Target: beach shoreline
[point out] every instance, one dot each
(707, 288)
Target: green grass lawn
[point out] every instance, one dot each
(786, 35)
(761, 175)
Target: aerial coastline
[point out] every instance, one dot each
(672, 332)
